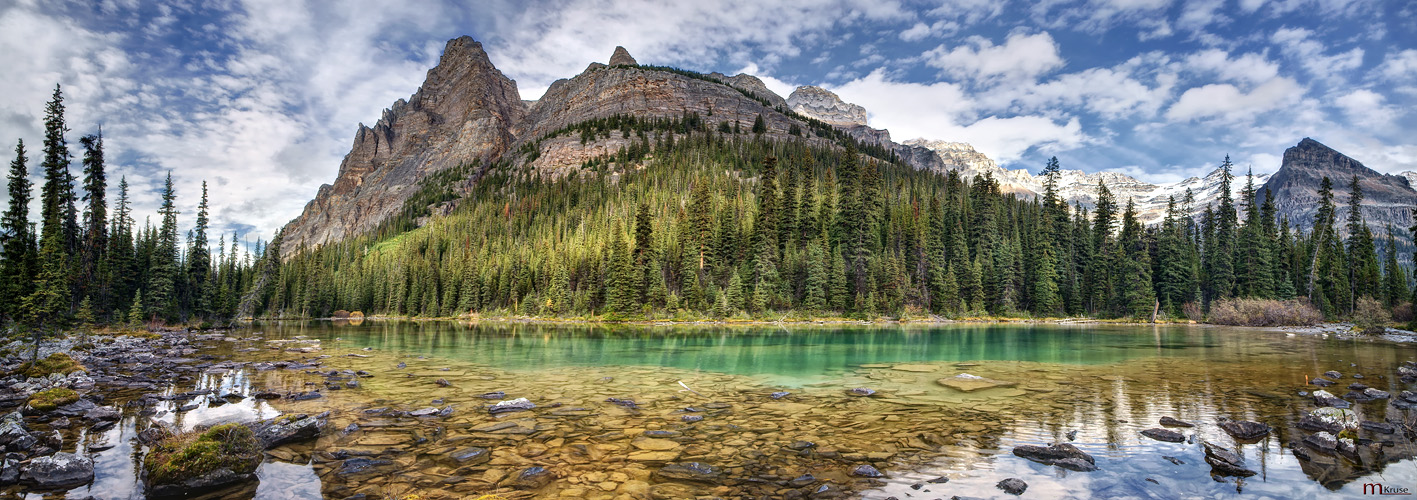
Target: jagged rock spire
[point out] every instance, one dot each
(621, 57)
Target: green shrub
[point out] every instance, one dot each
(1371, 316)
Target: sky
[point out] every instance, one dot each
(261, 98)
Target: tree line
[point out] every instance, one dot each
(706, 222)
(79, 263)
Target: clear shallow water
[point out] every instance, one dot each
(1105, 382)
(804, 353)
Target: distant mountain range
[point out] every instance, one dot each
(467, 113)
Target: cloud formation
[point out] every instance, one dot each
(260, 98)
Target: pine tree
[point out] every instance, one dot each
(199, 263)
(815, 285)
(1135, 296)
(163, 272)
(1395, 280)
(759, 126)
(1253, 259)
(94, 280)
(1363, 274)
(52, 285)
(1220, 256)
(18, 268)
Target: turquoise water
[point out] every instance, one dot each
(802, 352)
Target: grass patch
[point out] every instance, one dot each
(186, 456)
(50, 399)
(56, 363)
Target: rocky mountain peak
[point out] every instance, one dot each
(825, 105)
(1386, 198)
(461, 114)
(621, 57)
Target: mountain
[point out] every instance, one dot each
(468, 114)
(1387, 198)
(462, 114)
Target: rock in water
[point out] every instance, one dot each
(60, 470)
(1333, 374)
(1224, 462)
(1245, 430)
(288, 429)
(533, 478)
(519, 404)
(861, 392)
(1325, 398)
(1164, 435)
(689, 471)
(965, 382)
(864, 470)
(621, 57)
(1012, 486)
(1171, 422)
(1062, 455)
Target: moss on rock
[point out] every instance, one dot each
(58, 362)
(50, 399)
(186, 459)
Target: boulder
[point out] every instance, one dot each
(1012, 486)
(1325, 398)
(864, 470)
(1062, 455)
(533, 478)
(519, 404)
(1224, 462)
(1245, 430)
(1164, 435)
(60, 470)
(219, 457)
(288, 429)
(1171, 422)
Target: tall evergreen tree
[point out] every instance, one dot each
(1363, 274)
(19, 266)
(162, 268)
(199, 263)
(1394, 279)
(95, 279)
(1220, 251)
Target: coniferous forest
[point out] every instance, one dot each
(80, 262)
(691, 221)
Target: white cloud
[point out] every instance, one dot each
(1367, 109)
(916, 33)
(1223, 100)
(945, 111)
(1400, 66)
(1250, 68)
(1199, 14)
(1021, 57)
(1300, 46)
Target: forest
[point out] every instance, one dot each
(691, 221)
(85, 266)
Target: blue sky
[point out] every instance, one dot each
(261, 98)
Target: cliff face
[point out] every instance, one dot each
(461, 115)
(1387, 199)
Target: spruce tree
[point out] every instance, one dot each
(1220, 255)
(1363, 274)
(162, 268)
(94, 280)
(1394, 279)
(199, 263)
(19, 266)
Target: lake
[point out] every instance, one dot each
(790, 411)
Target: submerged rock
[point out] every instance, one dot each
(1322, 382)
(861, 392)
(965, 382)
(1333, 374)
(356, 468)
(780, 394)
(1164, 435)
(533, 478)
(1062, 455)
(689, 471)
(470, 456)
